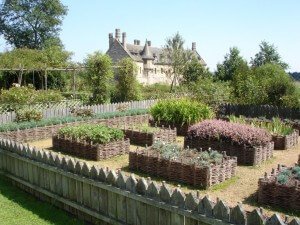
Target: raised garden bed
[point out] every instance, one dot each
(147, 136)
(281, 188)
(38, 133)
(179, 114)
(185, 166)
(93, 142)
(283, 135)
(250, 145)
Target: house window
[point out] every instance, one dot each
(155, 70)
(140, 69)
(161, 70)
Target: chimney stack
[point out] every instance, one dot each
(149, 43)
(138, 42)
(124, 39)
(194, 46)
(118, 34)
(111, 38)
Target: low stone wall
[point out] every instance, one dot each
(181, 129)
(39, 133)
(148, 138)
(102, 196)
(247, 156)
(90, 151)
(180, 171)
(285, 142)
(272, 193)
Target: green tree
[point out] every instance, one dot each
(232, 62)
(127, 88)
(27, 23)
(268, 54)
(99, 76)
(194, 71)
(175, 54)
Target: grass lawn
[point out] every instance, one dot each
(19, 208)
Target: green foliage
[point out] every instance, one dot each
(282, 178)
(100, 77)
(275, 127)
(195, 71)
(267, 84)
(98, 134)
(69, 119)
(232, 62)
(82, 112)
(211, 92)
(127, 88)
(28, 115)
(175, 55)
(172, 151)
(182, 111)
(267, 55)
(31, 23)
(20, 97)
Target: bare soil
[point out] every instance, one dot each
(241, 188)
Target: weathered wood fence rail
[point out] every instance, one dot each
(103, 196)
(66, 111)
(267, 111)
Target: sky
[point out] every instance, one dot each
(215, 25)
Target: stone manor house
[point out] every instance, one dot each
(151, 68)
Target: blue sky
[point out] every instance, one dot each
(216, 25)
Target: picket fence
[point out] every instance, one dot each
(102, 196)
(66, 111)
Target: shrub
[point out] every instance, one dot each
(98, 134)
(172, 151)
(276, 127)
(28, 115)
(230, 132)
(182, 111)
(82, 112)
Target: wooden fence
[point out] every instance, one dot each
(62, 112)
(267, 111)
(103, 196)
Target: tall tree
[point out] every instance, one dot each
(194, 71)
(175, 54)
(127, 87)
(100, 76)
(232, 62)
(28, 23)
(268, 54)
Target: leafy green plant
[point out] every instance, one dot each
(69, 119)
(98, 134)
(28, 115)
(181, 111)
(282, 179)
(82, 112)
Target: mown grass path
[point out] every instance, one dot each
(20, 208)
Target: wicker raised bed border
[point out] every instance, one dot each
(90, 151)
(179, 171)
(271, 193)
(181, 129)
(39, 133)
(285, 142)
(247, 156)
(148, 138)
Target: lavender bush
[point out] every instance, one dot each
(232, 132)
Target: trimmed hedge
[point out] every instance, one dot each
(61, 120)
(230, 132)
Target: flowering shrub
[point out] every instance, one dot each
(232, 132)
(23, 115)
(182, 111)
